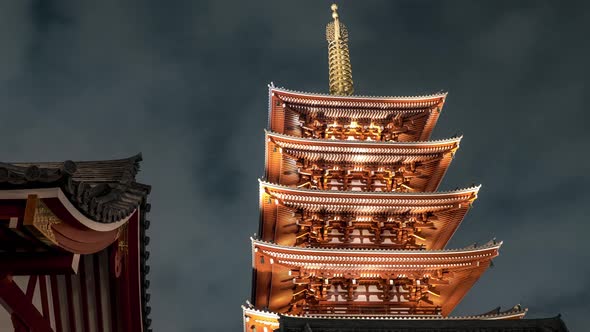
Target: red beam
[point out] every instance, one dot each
(16, 303)
(31, 287)
(12, 208)
(19, 325)
(28, 263)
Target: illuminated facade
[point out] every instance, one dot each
(352, 227)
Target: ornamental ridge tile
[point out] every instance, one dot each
(105, 191)
(249, 308)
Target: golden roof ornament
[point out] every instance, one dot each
(339, 57)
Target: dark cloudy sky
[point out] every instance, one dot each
(185, 82)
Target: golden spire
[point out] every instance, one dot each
(339, 57)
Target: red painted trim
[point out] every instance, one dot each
(84, 294)
(55, 300)
(31, 287)
(114, 290)
(23, 311)
(84, 235)
(134, 273)
(10, 208)
(71, 310)
(58, 208)
(97, 293)
(78, 246)
(75, 237)
(44, 297)
(123, 288)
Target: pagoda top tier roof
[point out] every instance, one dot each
(369, 202)
(414, 117)
(380, 102)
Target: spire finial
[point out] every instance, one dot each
(334, 11)
(338, 56)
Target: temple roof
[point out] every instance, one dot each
(378, 259)
(516, 312)
(363, 151)
(369, 202)
(447, 274)
(410, 118)
(105, 191)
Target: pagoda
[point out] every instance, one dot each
(353, 231)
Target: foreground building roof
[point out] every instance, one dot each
(75, 233)
(105, 191)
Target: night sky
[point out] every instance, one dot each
(185, 83)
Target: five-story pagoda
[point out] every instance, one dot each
(351, 224)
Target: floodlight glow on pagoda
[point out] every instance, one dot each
(352, 224)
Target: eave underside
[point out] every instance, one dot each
(363, 166)
(331, 281)
(360, 221)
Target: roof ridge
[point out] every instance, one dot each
(372, 193)
(135, 158)
(510, 312)
(487, 245)
(442, 94)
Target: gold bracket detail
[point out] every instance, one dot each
(122, 239)
(39, 220)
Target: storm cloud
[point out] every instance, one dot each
(185, 83)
